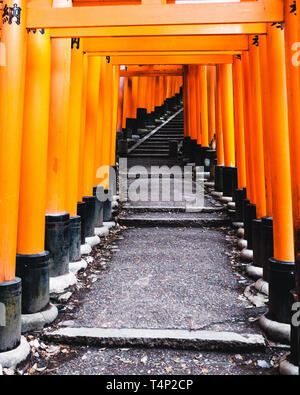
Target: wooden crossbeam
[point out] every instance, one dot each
(170, 43)
(170, 59)
(160, 30)
(260, 11)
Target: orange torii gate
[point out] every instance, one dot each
(252, 82)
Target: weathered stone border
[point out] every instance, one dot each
(38, 320)
(10, 359)
(276, 330)
(60, 284)
(166, 338)
(286, 368)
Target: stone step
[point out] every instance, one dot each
(150, 338)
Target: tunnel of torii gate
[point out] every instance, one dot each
(79, 79)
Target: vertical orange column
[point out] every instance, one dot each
(58, 125)
(74, 130)
(219, 127)
(125, 102)
(203, 106)
(185, 102)
(266, 111)
(193, 103)
(82, 127)
(197, 104)
(31, 227)
(257, 127)
(12, 77)
(120, 103)
(93, 79)
(106, 92)
(116, 78)
(226, 89)
(239, 121)
(280, 159)
(211, 87)
(250, 172)
(293, 96)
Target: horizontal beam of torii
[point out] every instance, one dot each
(160, 30)
(169, 59)
(41, 15)
(170, 43)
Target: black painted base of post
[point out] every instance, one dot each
(238, 197)
(229, 180)
(90, 215)
(219, 178)
(186, 148)
(141, 114)
(75, 238)
(250, 215)
(10, 314)
(281, 283)
(294, 355)
(33, 270)
(57, 242)
(122, 148)
(204, 158)
(98, 192)
(194, 151)
(81, 211)
(256, 242)
(173, 149)
(209, 159)
(267, 249)
(131, 125)
(107, 209)
(198, 155)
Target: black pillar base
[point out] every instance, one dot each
(98, 191)
(229, 180)
(75, 239)
(197, 153)
(186, 147)
(267, 249)
(81, 211)
(107, 209)
(256, 242)
(10, 314)
(281, 282)
(295, 349)
(131, 126)
(123, 148)
(90, 215)
(250, 215)
(219, 178)
(57, 242)
(238, 196)
(194, 151)
(141, 114)
(209, 162)
(173, 148)
(33, 269)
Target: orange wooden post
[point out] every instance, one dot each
(250, 173)
(256, 130)
(12, 78)
(115, 97)
(291, 31)
(283, 261)
(197, 103)
(32, 204)
(93, 80)
(240, 192)
(203, 106)
(125, 102)
(226, 95)
(12, 75)
(219, 136)
(211, 87)
(120, 104)
(255, 226)
(57, 219)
